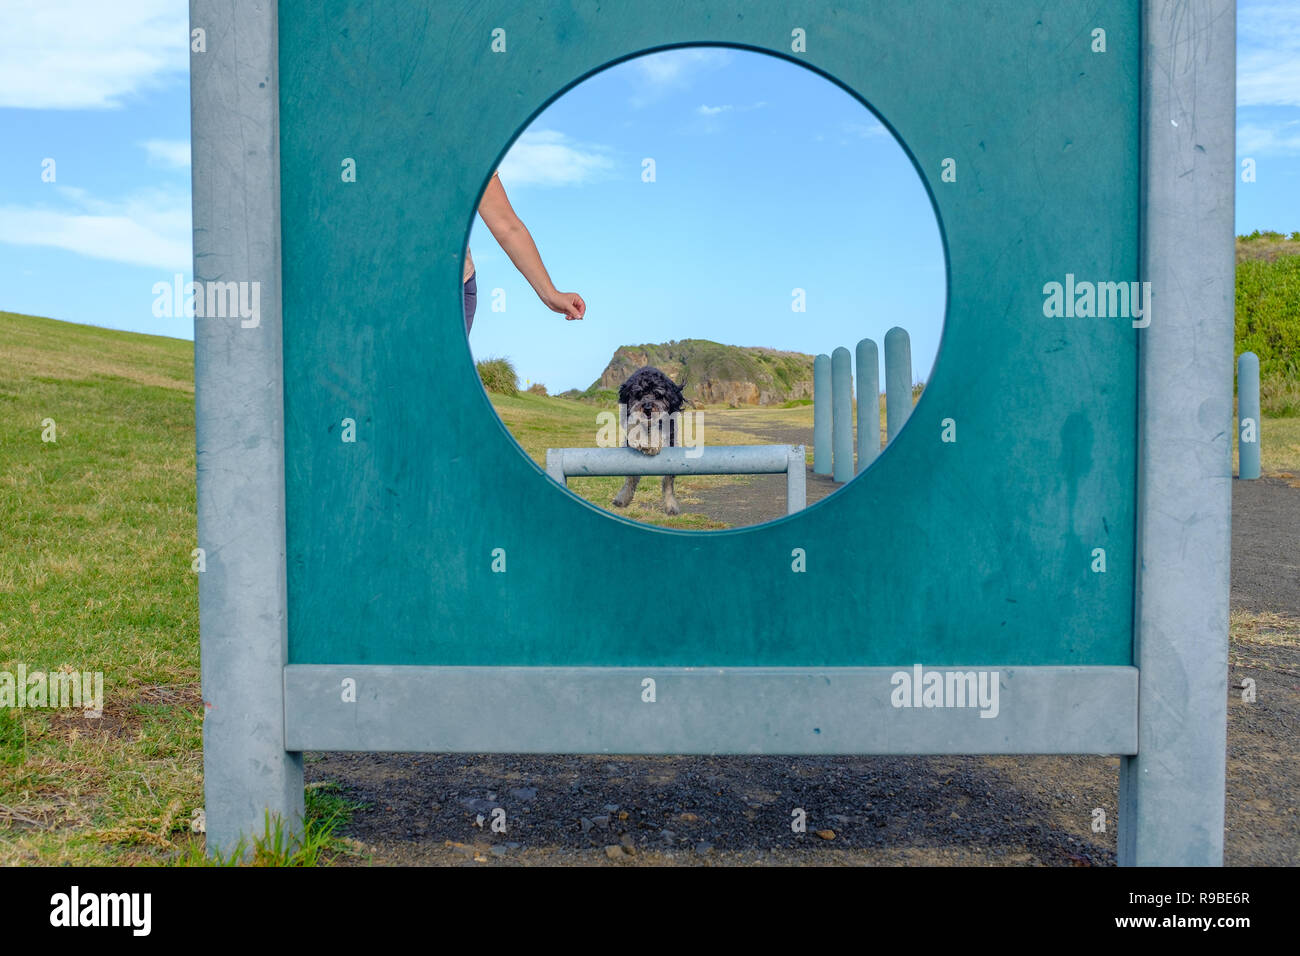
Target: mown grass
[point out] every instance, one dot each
(96, 530)
(1279, 448)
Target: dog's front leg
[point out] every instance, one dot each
(624, 496)
(670, 498)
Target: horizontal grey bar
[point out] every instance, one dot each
(848, 710)
(711, 460)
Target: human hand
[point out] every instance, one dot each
(569, 304)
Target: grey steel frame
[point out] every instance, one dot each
(1172, 790)
(1172, 777)
(699, 710)
(239, 426)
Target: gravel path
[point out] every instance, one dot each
(761, 497)
(425, 808)
(1266, 547)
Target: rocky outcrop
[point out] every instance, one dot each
(716, 374)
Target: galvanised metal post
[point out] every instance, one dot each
(1172, 791)
(239, 426)
(898, 380)
(868, 362)
(822, 415)
(842, 414)
(796, 479)
(1248, 415)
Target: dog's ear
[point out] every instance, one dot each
(681, 392)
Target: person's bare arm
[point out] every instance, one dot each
(514, 238)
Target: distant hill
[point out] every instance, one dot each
(712, 373)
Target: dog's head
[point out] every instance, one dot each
(650, 399)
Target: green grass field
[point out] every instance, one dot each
(97, 528)
(96, 533)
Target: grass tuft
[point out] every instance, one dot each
(327, 811)
(498, 375)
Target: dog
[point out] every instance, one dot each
(651, 401)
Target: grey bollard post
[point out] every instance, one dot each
(1248, 415)
(868, 361)
(239, 430)
(842, 415)
(822, 415)
(898, 380)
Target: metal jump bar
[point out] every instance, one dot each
(565, 463)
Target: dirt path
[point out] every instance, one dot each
(1266, 547)
(761, 497)
(423, 809)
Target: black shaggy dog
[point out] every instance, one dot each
(651, 401)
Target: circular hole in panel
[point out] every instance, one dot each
(719, 218)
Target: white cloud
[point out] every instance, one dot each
(658, 74)
(1269, 78)
(150, 228)
(866, 129)
(88, 54)
(1268, 54)
(1255, 139)
(670, 66)
(709, 118)
(168, 152)
(550, 158)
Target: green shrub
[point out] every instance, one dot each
(1268, 235)
(498, 375)
(1268, 324)
(537, 388)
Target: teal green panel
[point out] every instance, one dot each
(974, 551)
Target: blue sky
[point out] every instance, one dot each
(768, 178)
(740, 214)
